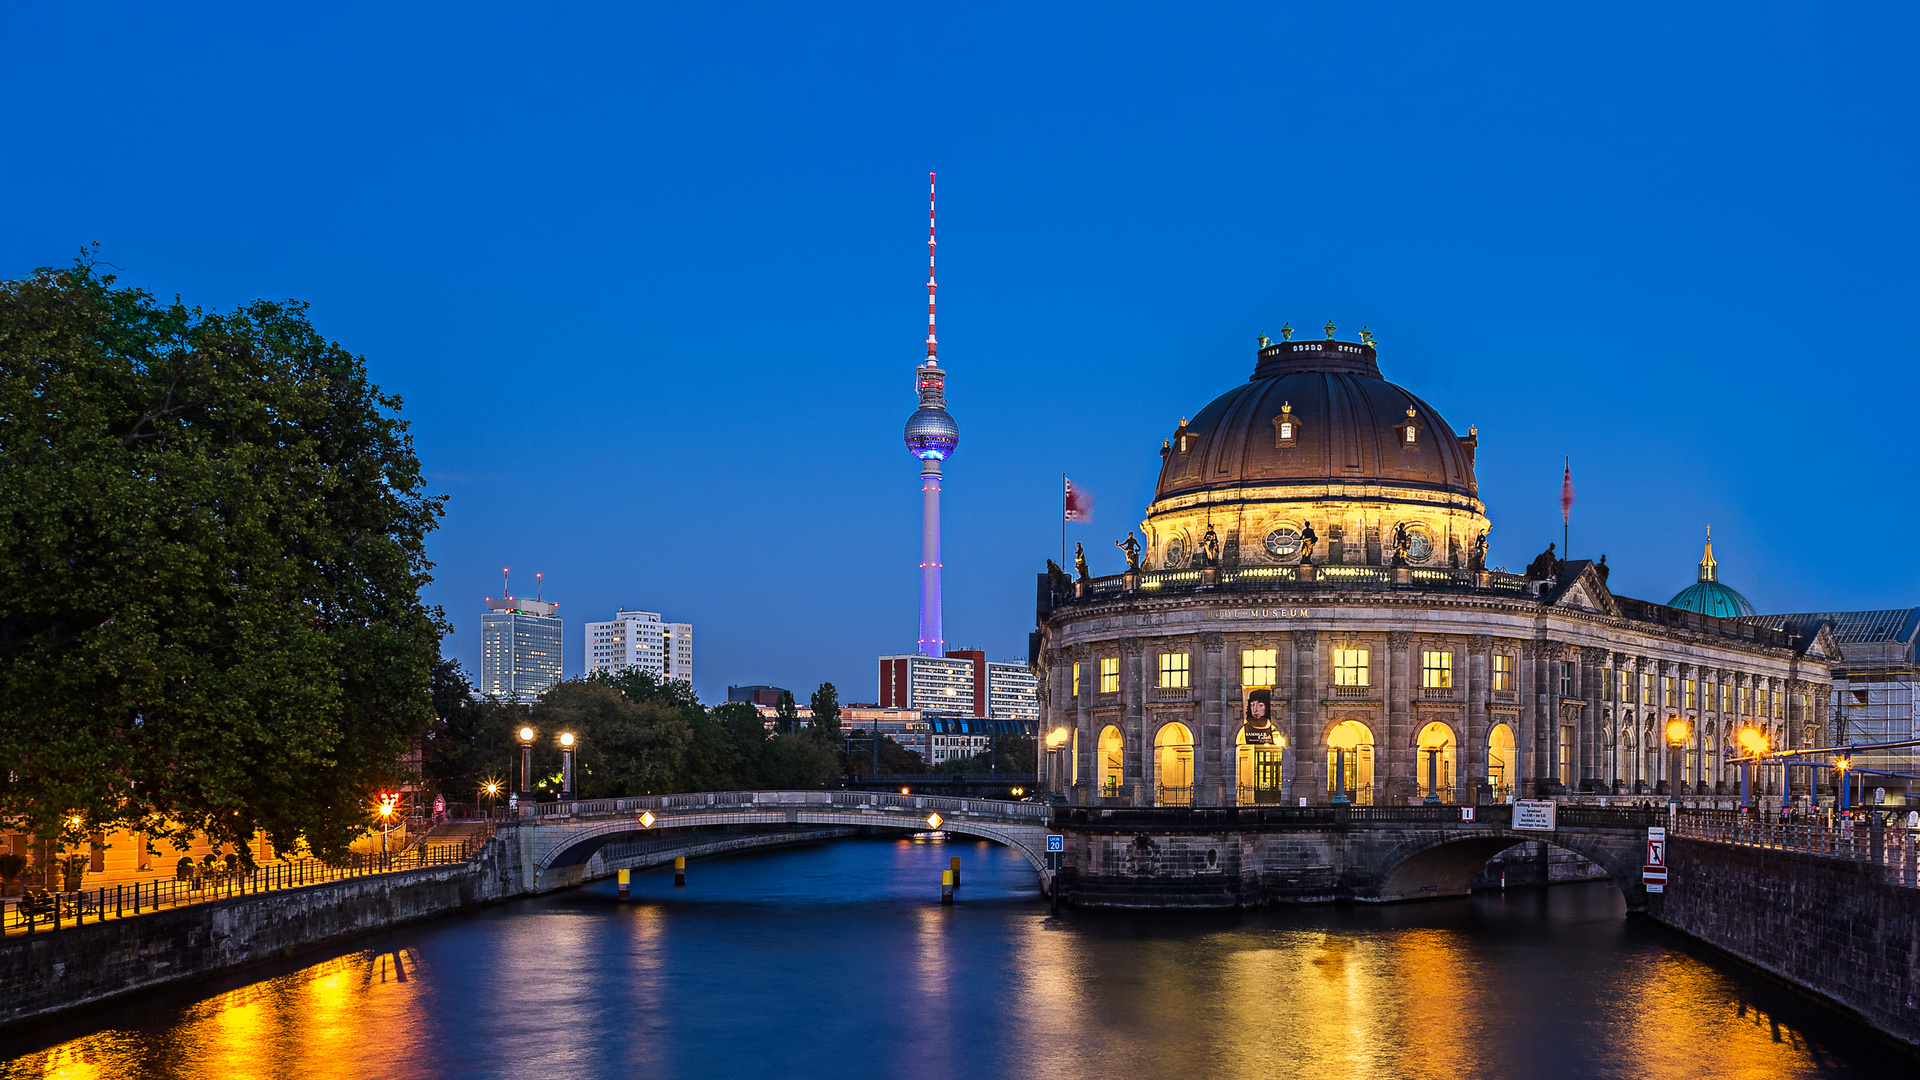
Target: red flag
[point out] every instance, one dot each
(1077, 504)
(1566, 493)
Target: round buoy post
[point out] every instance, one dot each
(626, 884)
(953, 864)
(679, 871)
(946, 886)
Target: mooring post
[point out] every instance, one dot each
(626, 886)
(679, 871)
(953, 864)
(946, 886)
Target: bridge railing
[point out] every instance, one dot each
(1895, 851)
(722, 801)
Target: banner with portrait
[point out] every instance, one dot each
(1257, 726)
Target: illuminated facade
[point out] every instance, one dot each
(519, 648)
(1314, 619)
(642, 640)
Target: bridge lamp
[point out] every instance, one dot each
(526, 762)
(566, 766)
(1840, 766)
(1753, 746)
(906, 791)
(1677, 732)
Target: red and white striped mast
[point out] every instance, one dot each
(931, 437)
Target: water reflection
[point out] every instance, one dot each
(839, 959)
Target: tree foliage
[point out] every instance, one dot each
(211, 552)
(826, 712)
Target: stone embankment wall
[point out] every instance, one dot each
(45, 973)
(1831, 926)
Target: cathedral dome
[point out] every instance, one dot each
(1708, 595)
(1317, 412)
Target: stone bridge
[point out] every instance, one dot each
(558, 839)
(1230, 857)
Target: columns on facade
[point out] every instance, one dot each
(1398, 760)
(1086, 742)
(1309, 760)
(1593, 721)
(1471, 758)
(1211, 771)
(1524, 749)
(1136, 767)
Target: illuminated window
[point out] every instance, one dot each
(1773, 704)
(1109, 674)
(1076, 678)
(1691, 686)
(1259, 667)
(1175, 670)
(1666, 688)
(1566, 756)
(1286, 429)
(1436, 669)
(1350, 667)
(1726, 698)
(1502, 671)
(1646, 688)
(1626, 686)
(1746, 699)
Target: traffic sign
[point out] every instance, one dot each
(1056, 842)
(1654, 878)
(1466, 813)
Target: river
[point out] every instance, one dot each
(836, 959)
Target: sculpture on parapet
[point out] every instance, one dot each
(1210, 547)
(1132, 548)
(1402, 544)
(1545, 566)
(1602, 568)
(1058, 585)
(1477, 558)
(1308, 538)
(1080, 561)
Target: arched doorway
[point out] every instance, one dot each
(1500, 762)
(1350, 762)
(1626, 773)
(1258, 770)
(1435, 762)
(1173, 766)
(1112, 758)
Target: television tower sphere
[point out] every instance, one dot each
(932, 434)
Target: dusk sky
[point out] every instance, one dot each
(650, 278)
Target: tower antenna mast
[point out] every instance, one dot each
(931, 438)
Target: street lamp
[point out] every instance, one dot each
(1753, 746)
(526, 762)
(1842, 764)
(385, 810)
(1677, 731)
(566, 766)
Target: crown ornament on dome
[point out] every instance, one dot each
(1329, 328)
(1286, 331)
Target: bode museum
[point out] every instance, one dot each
(1307, 618)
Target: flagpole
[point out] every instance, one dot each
(1063, 521)
(1566, 519)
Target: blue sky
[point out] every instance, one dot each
(649, 277)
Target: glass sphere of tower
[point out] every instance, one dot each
(931, 433)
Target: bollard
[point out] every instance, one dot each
(953, 864)
(626, 884)
(946, 886)
(679, 871)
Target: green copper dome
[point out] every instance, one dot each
(1708, 596)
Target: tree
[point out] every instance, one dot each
(826, 712)
(623, 746)
(786, 715)
(470, 741)
(211, 553)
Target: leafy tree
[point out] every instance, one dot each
(622, 746)
(894, 758)
(726, 750)
(826, 712)
(786, 715)
(211, 553)
(470, 741)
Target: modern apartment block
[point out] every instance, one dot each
(519, 648)
(642, 640)
(963, 683)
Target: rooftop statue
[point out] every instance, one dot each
(1545, 566)
(1210, 547)
(1132, 548)
(1080, 560)
(1308, 538)
(1402, 543)
(1477, 559)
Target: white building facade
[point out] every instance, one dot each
(641, 640)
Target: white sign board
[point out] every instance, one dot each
(1656, 846)
(1466, 813)
(1533, 815)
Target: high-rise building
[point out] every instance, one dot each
(644, 641)
(963, 683)
(931, 438)
(519, 648)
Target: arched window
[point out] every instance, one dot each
(1350, 762)
(1257, 769)
(1173, 766)
(1112, 759)
(1436, 762)
(1501, 761)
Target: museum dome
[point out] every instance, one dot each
(1708, 595)
(1318, 413)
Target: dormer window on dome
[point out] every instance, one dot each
(1409, 431)
(1286, 426)
(1182, 438)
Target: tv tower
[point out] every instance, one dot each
(931, 436)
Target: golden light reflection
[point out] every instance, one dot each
(1753, 742)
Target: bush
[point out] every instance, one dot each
(12, 866)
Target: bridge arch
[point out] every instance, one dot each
(1445, 864)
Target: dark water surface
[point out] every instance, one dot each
(837, 960)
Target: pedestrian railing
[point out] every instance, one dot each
(1869, 839)
(44, 910)
(723, 801)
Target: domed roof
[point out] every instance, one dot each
(1317, 412)
(1707, 595)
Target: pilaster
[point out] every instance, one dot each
(1398, 761)
(1304, 743)
(1210, 768)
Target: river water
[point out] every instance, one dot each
(837, 960)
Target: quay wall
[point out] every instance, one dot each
(1834, 927)
(50, 972)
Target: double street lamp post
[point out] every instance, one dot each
(1677, 732)
(526, 763)
(566, 766)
